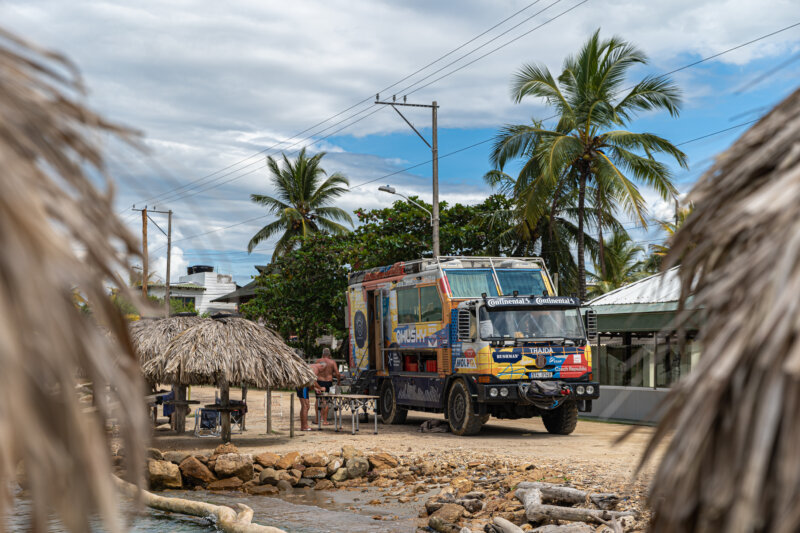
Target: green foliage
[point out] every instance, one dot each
(403, 232)
(303, 194)
(622, 265)
(303, 291)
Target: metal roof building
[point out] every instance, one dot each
(637, 357)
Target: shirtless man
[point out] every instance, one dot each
(329, 370)
(304, 397)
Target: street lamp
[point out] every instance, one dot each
(391, 190)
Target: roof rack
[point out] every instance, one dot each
(443, 262)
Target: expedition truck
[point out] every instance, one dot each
(470, 337)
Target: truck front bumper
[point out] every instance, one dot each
(527, 391)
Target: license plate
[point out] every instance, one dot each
(541, 375)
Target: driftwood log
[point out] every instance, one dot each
(556, 493)
(225, 518)
(536, 511)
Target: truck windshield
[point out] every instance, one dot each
(530, 323)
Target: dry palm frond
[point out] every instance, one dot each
(59, 232)
(151, 337)
(733, 464)
(235, 350)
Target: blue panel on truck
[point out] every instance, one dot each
(419, 391)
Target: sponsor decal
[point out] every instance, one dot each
(465, 362)
(469, 353)
(360, 329)
(540, 300)
(507, 357)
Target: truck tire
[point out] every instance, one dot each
(561, 420)
(391, 413)
(484, 419)
(460, 412)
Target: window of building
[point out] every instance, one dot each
(430, 304)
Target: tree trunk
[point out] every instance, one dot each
(225, 518)
(581, 260)
(536, 511)
(602, 254)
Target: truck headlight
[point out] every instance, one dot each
(590, 389)
(580, 390)
(493, 392)
(504, 392)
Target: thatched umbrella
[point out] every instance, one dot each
(150, 338)
(229, 350)
(732, 464)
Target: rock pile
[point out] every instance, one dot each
(266, 473)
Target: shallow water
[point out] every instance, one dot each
(296, 511)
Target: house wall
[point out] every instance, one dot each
(216, 285)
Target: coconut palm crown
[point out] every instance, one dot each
(302, 201)
(592, 109)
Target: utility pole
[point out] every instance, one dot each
(144, 253)
(145, 260)
(434, 146)
(169, 259)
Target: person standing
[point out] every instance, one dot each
(329, 371)
(303, 394)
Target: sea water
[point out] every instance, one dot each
(295, 511)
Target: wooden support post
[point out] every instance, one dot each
(269, 411)
(224, 393)
(291, 416)
(244, 415)
(180, 409)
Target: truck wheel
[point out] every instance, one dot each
(460, 412)
(391, 413)
(484, 419)
(561, 420)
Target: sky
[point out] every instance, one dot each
(215, 87)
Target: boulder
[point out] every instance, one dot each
(284, 485)
(312, 460)
(235, 464)
(202, 458)
(175, 457)
(257, 468)
(315, 472)
(449, 512)
(287, 461)
(305, 483)
(357, 467)
(260, 490)
(196, 473)
(292, 476)
(228, 447)
(163, 475)
(267, 459)
(269, 476)
(383, 461)
(231, 483)
(462, 485)
(324, 484)
(348, 452)
(339, 476)
(441, 525)
(154, 453)
(334, 465)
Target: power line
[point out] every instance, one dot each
(368, 99)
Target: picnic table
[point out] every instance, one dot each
(353, 403)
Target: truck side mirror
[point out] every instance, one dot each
(590, 323)
(463, 325)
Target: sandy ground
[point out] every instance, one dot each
(592, 448)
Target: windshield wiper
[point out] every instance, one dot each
(541, 339)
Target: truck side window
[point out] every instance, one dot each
(407, 305)
(431, 304)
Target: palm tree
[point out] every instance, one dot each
(588, 140)
(622, 265)
(303, 194)
(659, 251)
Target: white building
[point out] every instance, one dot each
(200, 286)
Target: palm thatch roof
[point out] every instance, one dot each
(732, 463)
(231, 350)
(61, 235)
(150, 338)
